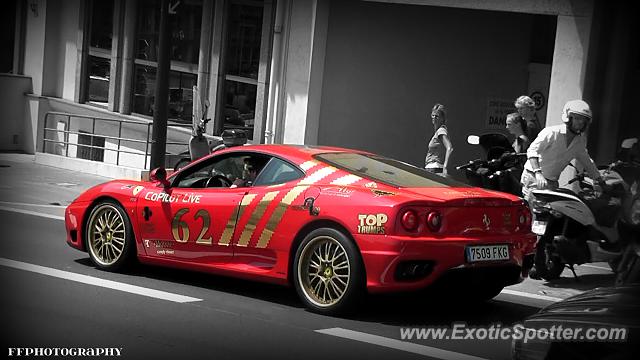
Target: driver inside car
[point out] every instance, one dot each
(249, 174)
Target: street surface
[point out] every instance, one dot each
(52, 296)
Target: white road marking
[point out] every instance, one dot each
(596, 267)
(29, 204)
(90, 280)
(529, 295)
(35, 213)
(397, 344)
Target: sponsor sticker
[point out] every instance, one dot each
(187, 198)
(379, 193)
(372, 223)
(337, 191)
(137, 190)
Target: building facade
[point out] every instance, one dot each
(351, 73)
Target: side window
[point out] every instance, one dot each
(278, 171)
(231, 170)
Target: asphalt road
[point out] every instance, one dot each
(46, 302)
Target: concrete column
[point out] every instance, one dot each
(36, 21)
(304, 70)
(569, 66)
(128, 55)
(263, 74)
(275, 108)
(206, 34)
(116, 55)
(216, 83)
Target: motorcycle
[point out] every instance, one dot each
(628, 270)
(580, 227)
(500, 169)
(199, 146)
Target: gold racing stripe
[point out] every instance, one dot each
(308, 165)
(225, 239)
(255, 218)
(287, 200)
(346, 180)
(277, 214)
(318, 175)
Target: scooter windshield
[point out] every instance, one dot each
(494, 145)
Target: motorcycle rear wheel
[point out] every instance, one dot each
(548, 265)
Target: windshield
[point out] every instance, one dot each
(385, 170)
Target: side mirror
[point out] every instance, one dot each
(473, 139)
(628, 143)
(159, 175)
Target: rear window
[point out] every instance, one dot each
(385, 170)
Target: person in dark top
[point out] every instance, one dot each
(526, 107)
(517, 127)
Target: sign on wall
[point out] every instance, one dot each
(497, 110)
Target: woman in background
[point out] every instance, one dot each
(517, 127)
(440, 147)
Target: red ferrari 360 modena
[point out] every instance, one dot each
(333, 222)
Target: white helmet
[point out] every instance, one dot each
(576, 107)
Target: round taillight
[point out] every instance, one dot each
(434, 220)
(409, 220)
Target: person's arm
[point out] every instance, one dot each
(541, 142)
(586, 161)
(524, 143)
(448, 150)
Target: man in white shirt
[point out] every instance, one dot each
(555, 147)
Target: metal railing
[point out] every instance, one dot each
(83, 122)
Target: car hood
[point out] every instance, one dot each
(617, 306)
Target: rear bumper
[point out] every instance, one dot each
(386, 258)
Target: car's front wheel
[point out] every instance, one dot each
(328, 271)
(109, 236)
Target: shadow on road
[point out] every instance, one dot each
(583, 282)
(419, 308)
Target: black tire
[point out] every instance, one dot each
(548, 265)
(111, 243)
(180, 164)
(628, 270)
(334, 285)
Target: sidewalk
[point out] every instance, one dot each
(35, 187)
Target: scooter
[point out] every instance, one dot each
(628, 270)
(199, 146)
(500, 169)
(577, 228)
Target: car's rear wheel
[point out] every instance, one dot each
(328, 271)
(109, 236)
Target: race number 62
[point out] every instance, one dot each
(180, 229)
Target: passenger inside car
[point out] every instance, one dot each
(249, 174)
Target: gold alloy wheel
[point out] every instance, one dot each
(324, 271)
(106, 234)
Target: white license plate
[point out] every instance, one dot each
(487, 253)
(539, 227)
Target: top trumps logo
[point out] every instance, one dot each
(372, 223)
